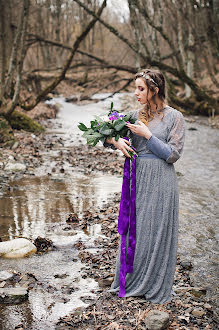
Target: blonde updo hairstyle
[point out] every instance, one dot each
(153, 79)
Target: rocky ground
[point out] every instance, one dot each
(189, 309)
(30, 150)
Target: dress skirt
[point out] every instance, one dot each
(157, 206)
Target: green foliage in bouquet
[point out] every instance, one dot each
(113, 126)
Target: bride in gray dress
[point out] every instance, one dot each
(158, 136)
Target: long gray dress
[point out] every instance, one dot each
(156, 213)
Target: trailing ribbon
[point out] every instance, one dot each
(127, 222)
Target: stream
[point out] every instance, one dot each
(38, 205)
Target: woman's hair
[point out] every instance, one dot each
(152, 79)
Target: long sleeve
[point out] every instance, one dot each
(172, 149)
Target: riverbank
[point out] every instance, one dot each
(56, 155)
(189, 308)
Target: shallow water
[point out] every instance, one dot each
(34, 203)
(38, 206)
(199, 191)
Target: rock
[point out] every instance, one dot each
(192, 129)
(43, 244)
(198, 312)
(17, 248)
(13, 295)
(182, 289)
(15, 167)
(72, 98)
(187, 265)
(4, 275)
(20, 120)
(61, 276)
(73, 217)
(15, 145)
(157, 320)
(207, 306)
(198, 292)
(105, 282)
(195, 291)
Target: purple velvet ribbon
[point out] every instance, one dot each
(127, 222)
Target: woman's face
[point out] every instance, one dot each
(142, 92)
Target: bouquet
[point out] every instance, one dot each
(112, 125)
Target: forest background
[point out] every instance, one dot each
(81, 47)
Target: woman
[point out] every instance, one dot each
(158, 137)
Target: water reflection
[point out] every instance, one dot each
(39, 206)
(34, 203)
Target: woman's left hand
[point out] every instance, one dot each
(140, 129)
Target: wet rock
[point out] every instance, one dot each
(179, 174)
(192, 129)
(43, 244)
(17, 248)
(72, 98)
(4, 275)
(20, 327)
(61, 276)
(13, 295)
(73, 217)
(157, 320)
(15, 167)
(66, 228)
(198, 312)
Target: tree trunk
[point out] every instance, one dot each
(21, 55)
(190, 61)
(67, 64)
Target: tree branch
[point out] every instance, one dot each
(61, 76)
(181, 74)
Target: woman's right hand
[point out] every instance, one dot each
(122, 145)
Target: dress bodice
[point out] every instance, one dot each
(168, 127)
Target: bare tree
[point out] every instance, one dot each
(179, 70)
(8, 104)
(57, 39)
(15, 64)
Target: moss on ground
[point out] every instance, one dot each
(19, 121)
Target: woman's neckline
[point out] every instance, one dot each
(160, 110)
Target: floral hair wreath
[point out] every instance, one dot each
(147, 77)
